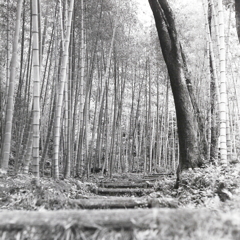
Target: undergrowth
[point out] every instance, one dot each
(204, 187)
(207, 187)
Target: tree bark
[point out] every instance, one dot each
(72, 224)
(123, 190)
(125, 185)
(200, 121)
(115, 202)
(237, 15)
(123, 202)
(186, 122)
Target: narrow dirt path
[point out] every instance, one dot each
(126, 207)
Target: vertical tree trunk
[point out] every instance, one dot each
(27, 155)
(166, 127)
(57, 123)
(19, 107)
(214, 96)
(173, 164)
(10, 105)
(82, 53)
(237, 15)
(200, 121)
(36, 89)
(49, 133)
(188, 143)
(223, 88)
(157, 128)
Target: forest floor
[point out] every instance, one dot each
(214, 188)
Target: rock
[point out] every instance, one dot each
(223, 193)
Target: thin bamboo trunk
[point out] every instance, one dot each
(82, 62)
(10, 100)
(57, 122)
(49, 133)
(36, 89)
(166, 128)
(223, 89)
(19, 106)
(214, 88)
(173, 144)
(8, 50)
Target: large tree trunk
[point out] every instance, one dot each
(237, 14)
(186, 122)
(203, 146)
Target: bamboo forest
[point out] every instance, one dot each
(119, 119)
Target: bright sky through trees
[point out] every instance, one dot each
(144, 12)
